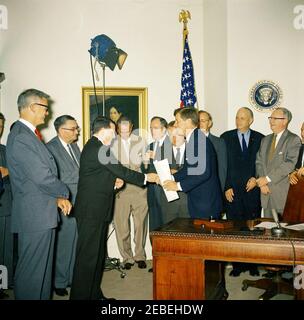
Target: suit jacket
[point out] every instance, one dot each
(34, 181)
(239, 167)
(6, 193)
(199, 179)
(278, 169)
(95, 195)
(68, 171)
(221, 154)
(299, 162)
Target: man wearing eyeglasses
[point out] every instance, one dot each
(37, 192)
(66, 152)
(276, 158)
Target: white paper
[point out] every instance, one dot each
(163, 170)
(269, 225)
(297, 227)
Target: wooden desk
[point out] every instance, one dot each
(180, 250)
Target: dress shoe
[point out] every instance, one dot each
(235, 272)
(61, 292)
(3, 295)
(254, 272)
(150, 270)
(128, 265)
(141, 264)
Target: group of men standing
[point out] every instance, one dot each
(237, 173)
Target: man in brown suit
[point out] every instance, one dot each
(131, 199)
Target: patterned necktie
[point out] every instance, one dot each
(38, 134)
(272, 147)
(72, 155)
(178, 156)
(244, 145)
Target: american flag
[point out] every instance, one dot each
(188, 95)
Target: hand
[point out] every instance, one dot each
(251, 184)
(149, 155)
(119, 183)
(262, 182)
(173, 171)
(4, 171)
(229, 194)
(65, 206)
(293, 179)
(153, 178)
(300, 172)
(170, 185)
(265, 190)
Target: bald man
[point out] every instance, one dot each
(242, 196)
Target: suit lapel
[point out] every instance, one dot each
(63, 152)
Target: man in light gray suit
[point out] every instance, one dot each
(67, 156)
(205, 124)
(6, 237)
(37, 192)
(276, 158)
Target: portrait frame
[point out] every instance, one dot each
(131, 101)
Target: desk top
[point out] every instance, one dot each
(183, 227)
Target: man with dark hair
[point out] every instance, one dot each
(198, 177)
(37, 194)
(66, 152)
(205, 124)
(6, 237)
(98, 174)
(128, 148)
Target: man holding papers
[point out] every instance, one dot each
(198, 177)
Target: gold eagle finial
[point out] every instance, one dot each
(184, 15)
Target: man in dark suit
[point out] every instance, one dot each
(159, 149)
(205, 124)
(242, 197)
(37, 192)
(177, 208)
(66, 152)
(6, 237)
(299, 169)
(98, 175)
(198, 177)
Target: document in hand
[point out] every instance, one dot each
(163, 171)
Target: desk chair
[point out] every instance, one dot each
(293, 213)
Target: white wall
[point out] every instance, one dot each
(263, 44)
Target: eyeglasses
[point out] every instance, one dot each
(72, 129)
(41, 105)
(274, 118)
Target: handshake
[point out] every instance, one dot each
(151, 177)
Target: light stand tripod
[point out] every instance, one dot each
(114, 263)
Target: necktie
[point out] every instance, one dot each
(272, 147)
(38, 134)
(72, 155)
(157, 151)
(244, 145)
(178, 156)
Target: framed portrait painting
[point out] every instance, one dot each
(130, 102)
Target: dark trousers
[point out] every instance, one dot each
(90, 259)
(33, 277)
(65, 248)
(7, 247)
(155, 206)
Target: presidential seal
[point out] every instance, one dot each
(265, 95)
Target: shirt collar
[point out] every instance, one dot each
(28, 124)
(189, 134)
(161, 141)
(63, 142)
